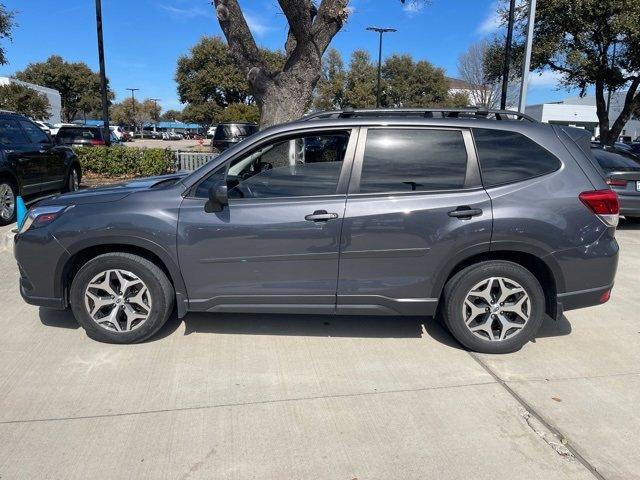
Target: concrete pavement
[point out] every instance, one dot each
(255, 396)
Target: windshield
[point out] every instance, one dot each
(617, 161)
(234, 131)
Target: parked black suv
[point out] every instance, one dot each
(228, 134)
(79, 135)
(31, 164)
(488, 219)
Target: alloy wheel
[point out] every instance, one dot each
(7, 201)
(118, 300)
(496, 309)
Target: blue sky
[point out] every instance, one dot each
(144, 38)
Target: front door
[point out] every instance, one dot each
(22, 155)
(415, 208)
(274, 248)
(50, 158)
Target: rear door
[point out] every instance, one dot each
(50, 158)
(415, 208)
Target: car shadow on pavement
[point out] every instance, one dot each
(58, 318)
(628, 224)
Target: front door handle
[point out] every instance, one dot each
(321, 216)
(465, 212)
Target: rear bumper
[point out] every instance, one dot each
(583, 298)
(629, 205)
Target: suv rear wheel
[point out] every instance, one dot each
(493, 306)
(73, 180)
(121, 298)
(8, 194)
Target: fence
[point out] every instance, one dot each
(189, 161)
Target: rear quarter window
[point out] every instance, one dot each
(507, 157)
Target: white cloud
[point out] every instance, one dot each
(257, 26)
(185, 13)
(546, 79)
(413, 7)
(492, 21)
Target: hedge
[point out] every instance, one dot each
(125, 161)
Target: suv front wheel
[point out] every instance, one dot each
(121, 298)
(493, 307)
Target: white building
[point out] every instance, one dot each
(581, 112)
(53, 96)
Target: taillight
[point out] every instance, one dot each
(604, 203)
(617, 183)
(97, 142)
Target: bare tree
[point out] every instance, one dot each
(285, 94)
(472, 68)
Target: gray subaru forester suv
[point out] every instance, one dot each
(485, 219)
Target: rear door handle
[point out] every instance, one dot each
(321, 216)
(465, 212)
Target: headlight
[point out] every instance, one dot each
(41, 216)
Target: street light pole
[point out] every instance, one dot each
(524, 85)
(507, 56)
(380, 31)
(133, 106)
(155, 109)
(103, 76)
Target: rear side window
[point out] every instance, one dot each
(413, 160)
(75, 133)
(35, 133)
(616, 161)
(507, 157)
(11, 133)
(234, 131)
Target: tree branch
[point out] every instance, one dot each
(299, 16)
(242, 45)
(331, 17)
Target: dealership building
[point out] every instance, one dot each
(581, 112)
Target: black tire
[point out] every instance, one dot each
(14, 191)
(69, 185)
(159, 288)
(461, 283)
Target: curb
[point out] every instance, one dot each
(6, 242)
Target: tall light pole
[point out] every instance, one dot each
(507, 55)
(524, 85)
(133, 106)
(155, 109)
(381, 31)
(103, 76)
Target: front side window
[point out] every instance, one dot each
(34, 132)
(507, 157)
(11, 133)
(413, 160)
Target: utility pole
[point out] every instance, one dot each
(133, 106)
(155, 109)
(103, 76)
(507, 55)
(524, 85)
(381, 31)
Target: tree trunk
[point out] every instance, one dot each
(287, 97)
(603, 115)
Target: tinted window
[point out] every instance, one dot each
(616, 161)
(34, 132)
(302, 166)
(507, 157)
(234, 131)
(397, 160)
(11, 133)
(215, 178)
(80, 133)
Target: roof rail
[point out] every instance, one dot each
(471, 112)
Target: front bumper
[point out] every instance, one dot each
(41, 260)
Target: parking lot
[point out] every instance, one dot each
(251, 396)
(184, 145)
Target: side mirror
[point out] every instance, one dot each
(218, 198)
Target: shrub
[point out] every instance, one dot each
(126, 161)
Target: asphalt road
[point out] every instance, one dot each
(292, 397)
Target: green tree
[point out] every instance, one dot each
(124, 113)
(576, 39)
(78, 85)
(413, 84)
(331, 86)
(360, 90)
(7, 23)
(21, 99)
(171, 115)
(239, 112)
(209, 80)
